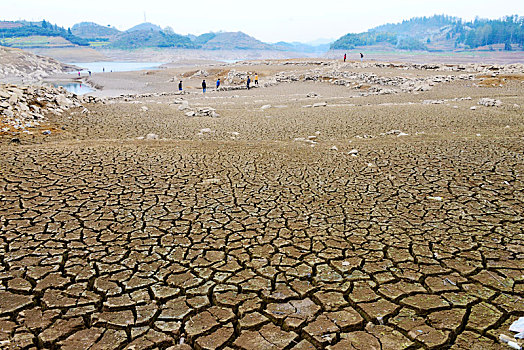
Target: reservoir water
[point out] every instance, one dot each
(75, 88)
(99, 67)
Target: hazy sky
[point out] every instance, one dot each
(267, 20)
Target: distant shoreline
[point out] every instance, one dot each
(185, 56)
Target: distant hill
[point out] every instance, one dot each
(230, 41)
(145, 26)
(300, 47)
(202, 39)
(12, 32)
(435, 33)
(149, 38)
(10, 25)
(418, 26)
(320, 41)
(440, 33)
(90, 30)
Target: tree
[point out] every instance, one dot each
(69, 31)
(507, 46)
(44, 24)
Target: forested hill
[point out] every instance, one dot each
(12, 31)
(440, 33)
(418, 25)
(23, 34)
(90, 30)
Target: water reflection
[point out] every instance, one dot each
(107, 67)
(75, 88)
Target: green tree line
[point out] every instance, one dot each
(410, 34)
(44, 29)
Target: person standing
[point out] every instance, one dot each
(256, 79)
(345, 56)
(204, 85)
(248, 82)
(89, 72)
(361, 57)
(218, 83)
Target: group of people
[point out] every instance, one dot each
(218, 82)
(361, 57)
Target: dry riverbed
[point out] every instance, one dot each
(333, 207)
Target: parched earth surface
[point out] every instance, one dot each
(373, 222)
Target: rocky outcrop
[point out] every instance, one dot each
(370, 83)
(20, 66)
(489, 102)
(195, 112)
(25, 107)
(346, 74)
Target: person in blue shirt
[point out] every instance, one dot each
(204, 85)
(248, 82)
(218, 83)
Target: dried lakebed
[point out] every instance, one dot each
(373, 222)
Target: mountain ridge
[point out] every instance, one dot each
(440, 33)
(435, 33)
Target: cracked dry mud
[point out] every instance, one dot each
(258, 242)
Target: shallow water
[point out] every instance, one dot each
(99, 67)
(76, 88)
(231, 61)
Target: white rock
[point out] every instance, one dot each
(211, 181)
(489, 102)
(151, 137)
(64, 101)
(517, 326)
